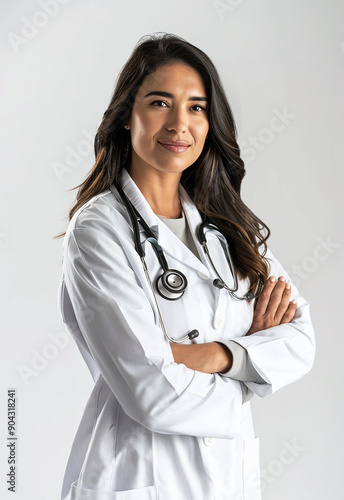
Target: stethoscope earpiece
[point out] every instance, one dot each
(218, 284)
(193, 334)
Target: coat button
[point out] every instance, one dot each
(217, 322)
(208, 441)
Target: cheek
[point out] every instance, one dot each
(202, 130)
(202, 134)
(206, 129)
(140, 135)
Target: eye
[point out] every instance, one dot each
(199, 108)
(159, 104)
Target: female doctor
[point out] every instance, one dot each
(178, 307)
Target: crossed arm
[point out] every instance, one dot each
(272, 308)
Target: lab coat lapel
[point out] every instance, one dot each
(140, 203)
(174, 248)
(216, 250)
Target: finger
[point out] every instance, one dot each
(290, 312)
(276, 297)
(264, 298)
(284, 303)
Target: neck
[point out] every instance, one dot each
(161, 191)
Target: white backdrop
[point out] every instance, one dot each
(282, 65)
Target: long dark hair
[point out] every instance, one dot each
(213, 181)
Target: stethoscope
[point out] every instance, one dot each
(171, 284)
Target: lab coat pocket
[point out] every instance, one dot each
(147, 493)
(251, 470)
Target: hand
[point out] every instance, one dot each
(273, 307)
(211, 357)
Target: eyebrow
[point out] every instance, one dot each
(167, 94)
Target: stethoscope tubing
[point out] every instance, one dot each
(175, 292)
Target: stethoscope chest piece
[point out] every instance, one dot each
(171, 284)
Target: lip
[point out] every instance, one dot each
(175, 146)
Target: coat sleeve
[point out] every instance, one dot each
(282, 354)
(117, 324)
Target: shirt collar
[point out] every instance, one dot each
(139, 201)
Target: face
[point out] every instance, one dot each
(169, 121)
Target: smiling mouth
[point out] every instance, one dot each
(175, 147)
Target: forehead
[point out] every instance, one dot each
(174, 78)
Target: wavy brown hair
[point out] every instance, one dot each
(213, 181)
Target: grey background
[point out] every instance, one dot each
(274, 58)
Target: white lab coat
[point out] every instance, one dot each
(154, 429)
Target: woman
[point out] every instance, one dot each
(176, 349)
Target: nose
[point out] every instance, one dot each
(177, 120)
